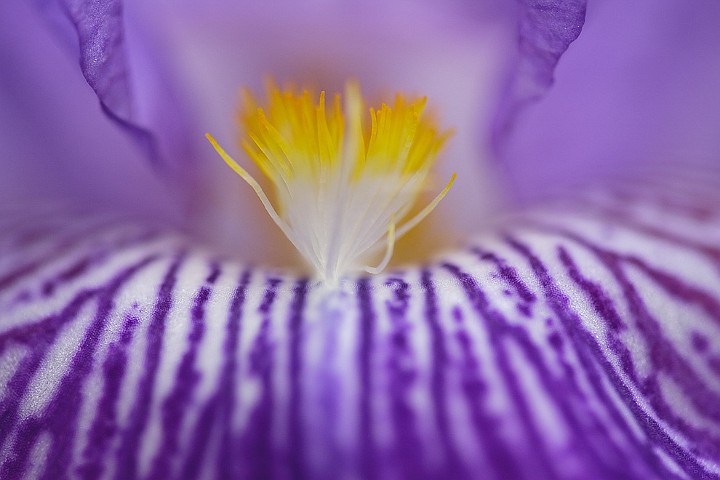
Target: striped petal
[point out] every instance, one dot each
(578, 341)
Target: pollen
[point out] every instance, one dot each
(345, 178)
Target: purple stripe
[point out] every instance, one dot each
(217, 414)
(615, 449)
(255, 445)
(662, 353)
(128, 451)
(620, 216)
(28, 231)
(104, 426)
(41, 335)
(327, 383)
(507, 273)
(226, 462)
(579, 338)
(175, 406)
(591, 439)
(510, 275)
(452, 464)
(498, 452)
(60, 417)
(95, 259)
(296, 427)
(588, 349)
(677, 288)
(63, 244)
(367, 455)
(698, 211)
(408, 447)
(26, 239)
(663, 357)
(192, 458)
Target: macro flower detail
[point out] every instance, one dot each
(569, 329)
(341, 193)
(519, 356)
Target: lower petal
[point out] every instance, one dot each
(579, 340)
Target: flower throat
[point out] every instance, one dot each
(345, 178)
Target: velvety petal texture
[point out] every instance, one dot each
(579, 341)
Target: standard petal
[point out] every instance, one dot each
(638, 87)
(581, 340)
(97, 28)
(546, 29)
(388, 46)
(55, 145)
(129, 62)
(133, 64)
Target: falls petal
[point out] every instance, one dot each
(580, 340)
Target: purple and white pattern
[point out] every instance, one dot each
(577, 341)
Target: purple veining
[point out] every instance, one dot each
(296, 423)
(256, 443)
(555, 339)
(62, 426)
(216, 415)
(593, 360)
(95, 259)
(333, 313)
(127, 453)
(187, 377)
(408, 447)
(63, 244)
(105, 424)
(663, 356)
(556, 361)
(485, 425)
(611, 418)
(507, 273)
(662, 353)
(619, 216)
(367, 449)
(496, 450)
(452, 465)
(42, 334)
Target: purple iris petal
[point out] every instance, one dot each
(56, 145)
(98, 27)
(637, 88)
(575, 341)
(545, 30)
(580, 341)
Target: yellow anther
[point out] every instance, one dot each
(342, 192)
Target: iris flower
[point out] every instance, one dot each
(556, 317)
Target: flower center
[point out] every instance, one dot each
(342, 191)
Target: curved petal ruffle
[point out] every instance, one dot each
(122, 84)
(545, 31)
(579, 341)
(636, 88)
(98, 29)
(55, 145)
